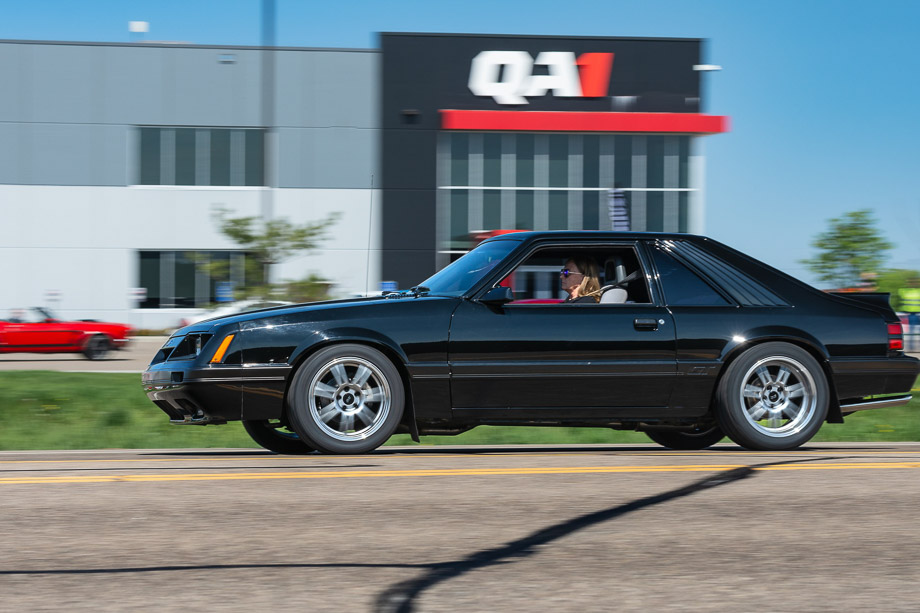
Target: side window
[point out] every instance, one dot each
(539, 278)
(682, 287)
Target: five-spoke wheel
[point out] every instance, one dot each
(774, 396)
(346, 399)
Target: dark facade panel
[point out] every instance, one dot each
(408, 224)
(423, 74)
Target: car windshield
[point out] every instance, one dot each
(459, 276)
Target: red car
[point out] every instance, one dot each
(37, 330)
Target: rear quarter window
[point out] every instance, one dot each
(682, 286)
(743, 288)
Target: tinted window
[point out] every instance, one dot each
(461, 275)
(682, 287)
(739, 285)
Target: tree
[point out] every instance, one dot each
(894, 279)
(272, 241)
(851, 246)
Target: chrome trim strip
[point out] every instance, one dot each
(233, 379)
(881, 403)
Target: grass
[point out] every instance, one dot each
(52, 410)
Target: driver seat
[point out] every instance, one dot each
(614, 276)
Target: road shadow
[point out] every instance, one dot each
(191, 567)
(400, 598)
(646, 448)
(185, 469)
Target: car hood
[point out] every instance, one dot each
(314, 310)
(88, 324)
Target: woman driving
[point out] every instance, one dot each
(580, 280)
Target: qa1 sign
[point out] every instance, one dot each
(507, 76)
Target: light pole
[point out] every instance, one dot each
(268, 105)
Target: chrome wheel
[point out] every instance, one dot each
(779, 396)
(349, 398)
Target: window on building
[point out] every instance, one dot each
(538, 181)
(202, 156)
(192, 279)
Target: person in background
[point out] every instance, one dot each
(581, 280)
(910, 303)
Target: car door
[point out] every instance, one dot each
(34, 332)
(588, 359)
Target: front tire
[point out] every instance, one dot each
(346, 399)
(686, 441)
(275, 437)
(774, 397)
(96, 347)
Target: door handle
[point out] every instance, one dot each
(645, 323)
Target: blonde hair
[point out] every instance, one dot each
(590, 285)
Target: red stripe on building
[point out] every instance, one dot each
(563, 121)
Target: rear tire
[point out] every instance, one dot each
(686, 441)
(774, 397)
(346, 399)
(280, 439)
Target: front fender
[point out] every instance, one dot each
(347, 334)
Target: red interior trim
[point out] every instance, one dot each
(563, 121)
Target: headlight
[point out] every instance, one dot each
(190, 347)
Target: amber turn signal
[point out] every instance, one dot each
(219, 354)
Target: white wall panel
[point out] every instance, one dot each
(83, 241)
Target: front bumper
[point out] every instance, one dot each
(215, 394)
(190, 396)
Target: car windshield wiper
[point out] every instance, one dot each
(415, 292)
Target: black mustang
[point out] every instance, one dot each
(690, 341)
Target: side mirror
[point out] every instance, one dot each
(497, 296)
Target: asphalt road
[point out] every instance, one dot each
(594, 528)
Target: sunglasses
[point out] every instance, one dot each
(565, 272)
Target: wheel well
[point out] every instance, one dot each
(408, 417)
(834, 415)
(93, 335)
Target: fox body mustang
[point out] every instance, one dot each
(689, 341)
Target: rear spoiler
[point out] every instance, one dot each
(877, 300)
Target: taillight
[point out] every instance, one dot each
(895, 337)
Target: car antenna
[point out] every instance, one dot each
(370, 228)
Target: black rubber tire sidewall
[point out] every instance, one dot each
(298, 400)
(269, 438)
(730, 414)
(686, 441)
(97, 347)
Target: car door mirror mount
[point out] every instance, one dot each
(497, 296)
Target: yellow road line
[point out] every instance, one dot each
(485, 453)
(459, 472)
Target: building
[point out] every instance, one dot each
(115, 158)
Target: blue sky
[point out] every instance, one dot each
(823, 95)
